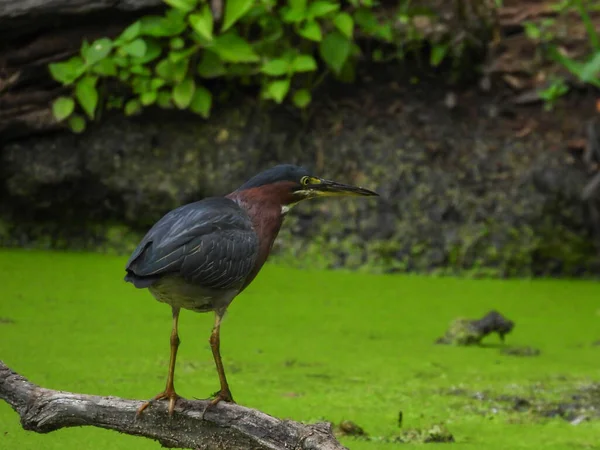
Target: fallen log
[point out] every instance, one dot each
(225, 426)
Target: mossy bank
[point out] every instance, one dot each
(463, 187)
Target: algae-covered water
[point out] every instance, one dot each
(311, 346)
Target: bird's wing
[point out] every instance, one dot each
(210, 243)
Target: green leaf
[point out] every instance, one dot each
(311, 30)
(106, 67)
(98, 50)
(164, 69)
(232, 48)
(295, 12)
(532, 31)
(77, 123)
(277, 90)
(275, 67)
(345, 23)
(131, 32)
(140, 84)
(178, 55)
(301, 98)
(297, 4)
(234, 10)
(590, 72)
(172, 71)
(62, 108)
(366, 20)
(85, 46)
(121, 61)
(201, 102)
(132, 107)
(384, 32)
(164, 100)
(210, 66)
(335, 49)
(304, 63)
(593, 36)
(153, 51)
(184, 92)
(438, 53)
(156, 83)
(149, 97)
(158, 26)
(136, 48)
(202, 22)
(321, 8)
(177, 43)
(67, 71)
(292, 15)
(140, 70)
(182, 5)
(180, 69)
(87, 95)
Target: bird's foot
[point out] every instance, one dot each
(169, 393)
(221, 396)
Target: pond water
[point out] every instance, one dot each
(310, 346)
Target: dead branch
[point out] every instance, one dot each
(226, 426)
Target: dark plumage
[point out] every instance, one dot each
(201, 255)
(282, 172)
(210, 243)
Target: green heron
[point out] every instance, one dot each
(200, 256)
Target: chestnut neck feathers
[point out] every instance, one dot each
(265, 207)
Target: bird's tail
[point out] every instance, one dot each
(140, 282)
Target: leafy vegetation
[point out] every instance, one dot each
(587, 69)
(285, 48)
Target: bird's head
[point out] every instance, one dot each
(290, 184)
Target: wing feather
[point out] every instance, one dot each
(210, 243)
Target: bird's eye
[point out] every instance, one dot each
(304, 181)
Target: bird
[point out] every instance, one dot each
(201, 255)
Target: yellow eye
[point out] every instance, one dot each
(304, 181)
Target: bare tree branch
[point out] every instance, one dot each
(224, 427)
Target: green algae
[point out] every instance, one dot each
(312, 345)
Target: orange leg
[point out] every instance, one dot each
(169, 391)
(224, 394)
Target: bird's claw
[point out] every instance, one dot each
(170, 394)
(221, 396)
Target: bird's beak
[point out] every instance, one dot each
(328, 188)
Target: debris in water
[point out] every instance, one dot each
(349, 428)
(471, 332)
(437, 433)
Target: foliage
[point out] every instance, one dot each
(587, 70)
(286, 49)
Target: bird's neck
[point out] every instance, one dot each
(266, 212)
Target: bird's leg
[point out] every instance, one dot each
(224, 394)
(169, 391)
